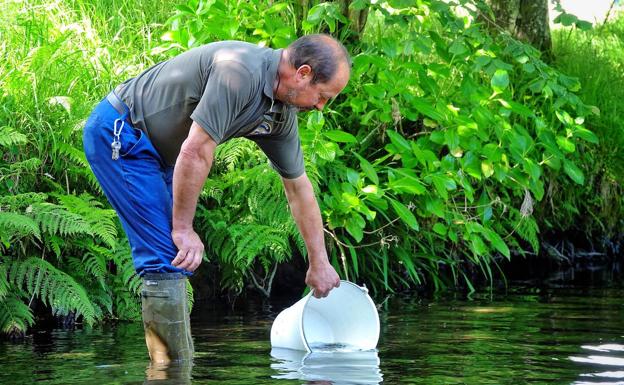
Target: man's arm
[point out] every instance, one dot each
(321, 275)
(190, 173)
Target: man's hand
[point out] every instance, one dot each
(322, 277)
(190, 250)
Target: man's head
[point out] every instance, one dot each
(313, 69)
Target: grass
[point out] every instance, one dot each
(596, 57)
(60, 58)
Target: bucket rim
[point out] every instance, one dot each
(307, 298)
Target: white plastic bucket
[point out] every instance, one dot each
(347, 316)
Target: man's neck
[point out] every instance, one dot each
(282, 73)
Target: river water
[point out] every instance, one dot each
(545, 336)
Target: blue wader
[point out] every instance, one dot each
(139, 187)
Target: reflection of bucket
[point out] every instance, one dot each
(357, 367)
(346, 316)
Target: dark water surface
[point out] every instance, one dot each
(554, 336)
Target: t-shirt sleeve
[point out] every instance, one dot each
(284, 150)
(227, 91)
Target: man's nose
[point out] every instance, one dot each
(319, 106)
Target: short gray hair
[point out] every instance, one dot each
(321, 52)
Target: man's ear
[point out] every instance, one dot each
(304, 72)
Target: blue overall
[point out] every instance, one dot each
(138, 185)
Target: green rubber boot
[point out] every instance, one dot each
(166, 318)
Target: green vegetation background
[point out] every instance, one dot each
(451, 149)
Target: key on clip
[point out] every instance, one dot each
(115, 146)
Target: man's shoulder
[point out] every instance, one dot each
(246, 54)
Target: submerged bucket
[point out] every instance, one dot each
(347, 317)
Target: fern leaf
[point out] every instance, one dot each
(17, 225)
(4, 282)
(27, 165)
(125, 268)
(102, 222)
(55, 243)
(53, 286)
(189, 295)
(15, 315)
(54, 219)
(10, 137)
(19, 201)
(95, 264)
(527, 229)
(75, 155)
(231, 154)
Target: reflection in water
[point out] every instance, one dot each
(602, 361)
(336, 367)
(567, 336)
(178, 373)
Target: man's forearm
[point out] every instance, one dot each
(321, 276)
(305, 211)
(189, 175)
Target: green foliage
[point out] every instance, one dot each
(569, 20)
(198, 22)
(450, 149)
(37, 277)
(60, 244)
(434, 158)
(15, 315)
(595, 57)
(247, 226)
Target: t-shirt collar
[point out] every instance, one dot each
(273, 63)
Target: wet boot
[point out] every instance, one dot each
(166, 318)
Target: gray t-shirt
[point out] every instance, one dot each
(227, 88)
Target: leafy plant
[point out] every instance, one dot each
(437, 160)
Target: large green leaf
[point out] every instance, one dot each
(340, 136)
(368, 169)
(565, 144)
(500, 80)
(573, 172)
(497, 242)
(404, 213)
(425, 108)
(407, 185)
(355, 228)
(586, 135)
(399, 141)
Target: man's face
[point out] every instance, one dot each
(307, 96)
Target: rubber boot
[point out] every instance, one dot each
(166, 318)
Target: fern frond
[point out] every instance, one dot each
(75, 155)
(126, 284)
(55, 243)
(54, 219)
(54, 287)
(10, 137)
(231, 154)
(28, 165)
(527, 229)
(102, 222)
(94, 263)
(127, 306)
(18, 201)
(256, 227)
(189, 295)
(125, 268)
(15, 315)
(4, 281)
(17, 225)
